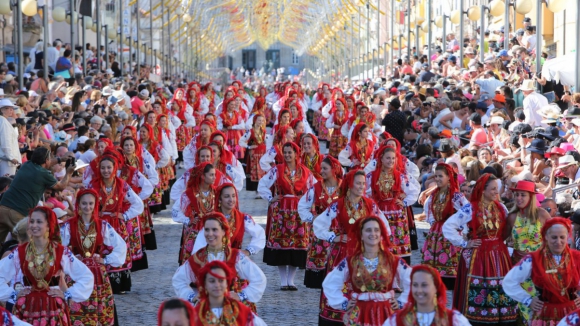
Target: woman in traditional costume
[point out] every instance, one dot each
(359, 151)
(284, 119)
(484, 260)
(44, 298)
(311, 205)
(200, 104)
(250, 281)
(184, 132)
(96, 244)
(427, 302)
(311, 157)
(173, 312)
(369, 272)
(334, 121)
(324, 133)
(131, 161)
(274, 155)
(216, 306)
(232, 123)
(445, 201)
(225, 162)
(240, 223)
(118, 204)
(524, 224)
(201, 138)
(554, 271)
(161, 157)
(197, 201)
(393, 190)
(333, 225)
(287, 235)
(255, 142)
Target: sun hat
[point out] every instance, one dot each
(524, 185)
(566, 160)
(554, 151)
(527, 85)
(496, 120)
(567, 147)
(538, 146)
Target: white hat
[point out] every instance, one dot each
(144, 93)
(528, 85)
(6, 103)
(472, 69)
(109, 72)
(59, 212)
(107, 91)
(524, 175)
(496, 120)
(566, 160)
(576, 122)
(62, 136)
(82, 139)
(80, 164)
(32, 94)
(8, 78)
(468, 50)
(430, 99)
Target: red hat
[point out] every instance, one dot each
(499, 98)
(446, 133)
(525, 186)
(393, 90)
(555, 150)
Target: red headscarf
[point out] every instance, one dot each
(355, 138)
(443, 316)
(335, 166)
(566, 275)
(317, 157)
(75, 241)
(476, 197)
(196, 179)
(348, 182)
(138, 151)
(182, 104)
(212, 127)
(132, 129)
(258, 105)
(243, 313)
(152, 143)
(453, 188)
(236, 222)
(291, 102)
(196, 98)
(199, 151)
(376, 174)
(189, 309)
(161, 130)
(285, 110)
(218, 216)
(98, 181)
(281, 134)
(52, 222)
(355, 244)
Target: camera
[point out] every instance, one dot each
(70, 162)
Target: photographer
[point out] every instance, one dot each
(29, 184)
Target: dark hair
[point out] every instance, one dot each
(287, 144)
(359, 172)
(82, 130)
(76, 100)
(423, 150)
(442, 168)
(207, 168)
(67, 53)
(176, 304)
(40, 155)
(498, 169)
(5, 182)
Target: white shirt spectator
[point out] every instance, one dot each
(532, 103)
(52, 56)
(9, 149)
(489, 85)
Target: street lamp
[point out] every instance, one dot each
(553, 6)
(473, 13)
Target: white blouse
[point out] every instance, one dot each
(306, 202)
(268, 180)
(458, 200)
(411, 168)
(180, 185)
(322, 223)
(457, 222)
(110, 238)
(7, 318)
(189, 153)
(81, 275)
(268, 159)
(409, 186)
(246, 269)
(240, 126)
(335, 280)
(251, 228)
(520, 273)
(573, 319)
(243, 142)
(427, 319)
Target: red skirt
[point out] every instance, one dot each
(121, 228)
(323, 132)
(479, 294)
(552, 313)
(439, 253)
(99, 308)
(38, 308)
(368, 313)
(233, 138)
(135, 238)
(400, 233)
(337, 143)
(336, 253)
(254, 169)
(187, 241)
(182, 137)
(286, 229)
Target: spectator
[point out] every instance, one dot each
(533, 102)
(9, 149)
(29, 184)
(53, 53)
(395, 121)
(64, 66)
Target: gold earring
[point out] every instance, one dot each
(363, 247)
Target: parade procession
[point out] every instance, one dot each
(290, 162)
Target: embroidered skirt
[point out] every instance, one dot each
(99, 308)
(440, 254)
(400, 234)
(368, 313)
(38, 308)
(182, 136)
(479, 295)
(328, 315)
(287, 236)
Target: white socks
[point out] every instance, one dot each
(283, 275)
(291, 273)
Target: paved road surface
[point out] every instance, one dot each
(152, 286)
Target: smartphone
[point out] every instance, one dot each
(30, 135)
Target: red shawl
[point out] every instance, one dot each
(356, 152)
(75, 241)
(236, 221)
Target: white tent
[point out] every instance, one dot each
(561, 69)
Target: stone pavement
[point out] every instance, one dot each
(152, 286)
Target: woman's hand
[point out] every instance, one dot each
(23, 293)
(274, 199)
(99, 259)
(235, 296)
(350, 305)
(537, 305)
(577, 302)
(394, 303)
(355, 162)
(473, 243)
(341, 238)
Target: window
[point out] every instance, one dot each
(294, 58)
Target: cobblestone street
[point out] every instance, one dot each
(152, 286)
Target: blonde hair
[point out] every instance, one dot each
(95, 95)
(531, 211)
(21, 101)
